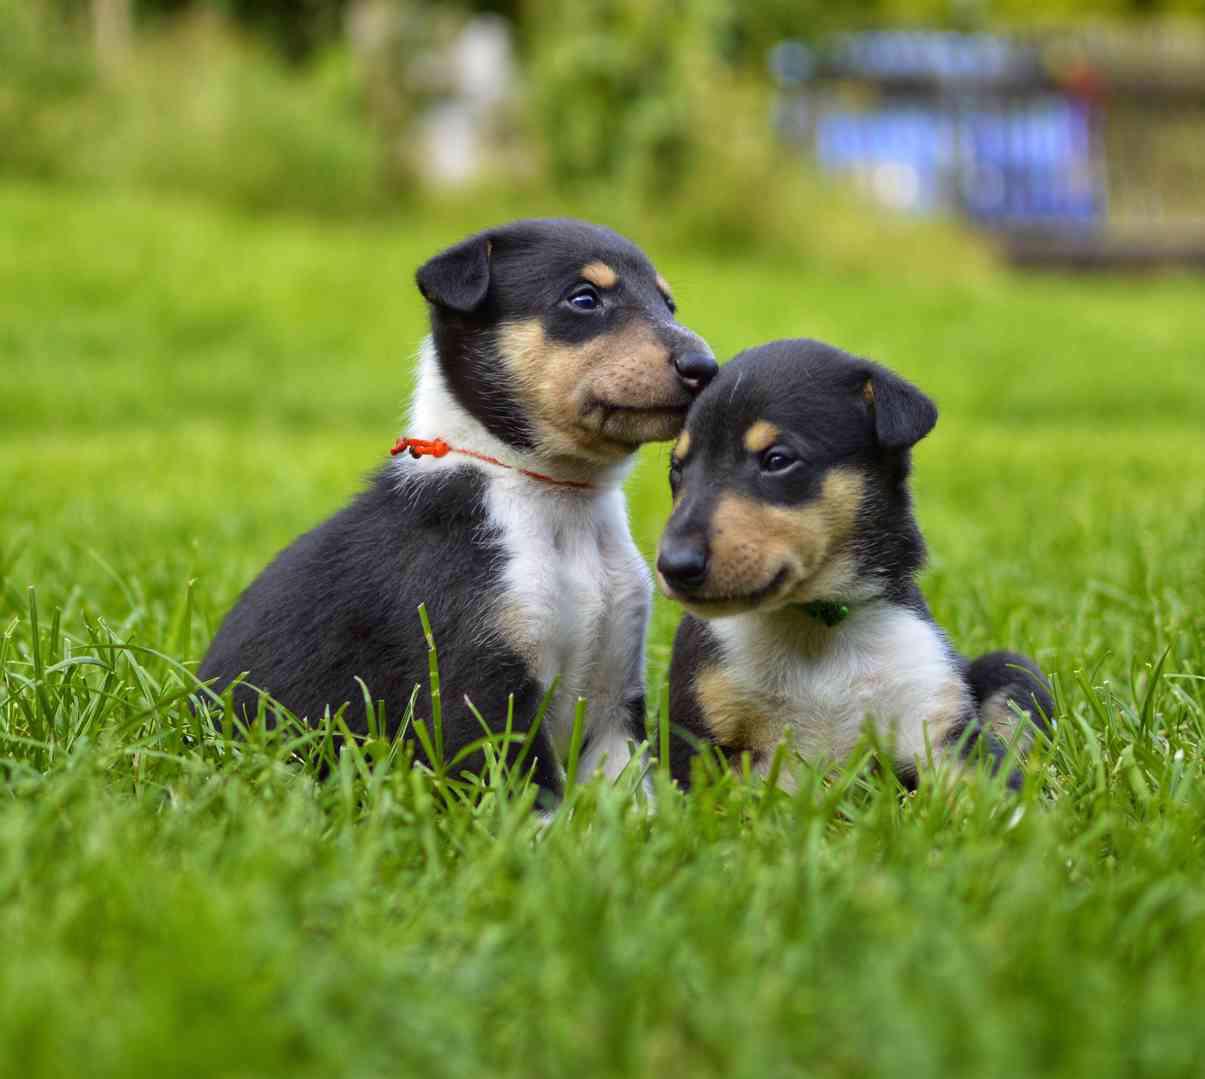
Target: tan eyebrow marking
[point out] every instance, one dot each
(761, 436)
(600, 274)
(682, 446)
(666, 291)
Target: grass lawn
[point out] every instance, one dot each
(183, 391)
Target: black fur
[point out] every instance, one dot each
(902, 414)
(695, 649)
(1019, 678)
(341, 603)
(459, 278)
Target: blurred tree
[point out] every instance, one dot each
(613, 97)
(743, 31)
(295, 28)
(112, 32)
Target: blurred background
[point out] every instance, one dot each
(211, 212)
(1074, 134)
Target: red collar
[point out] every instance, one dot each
(437, 447)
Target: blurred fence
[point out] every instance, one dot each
(1086, 148)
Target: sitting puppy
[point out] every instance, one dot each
(792, 533)
(554, 354)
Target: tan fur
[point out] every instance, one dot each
(834, 580)
(996, 716)
(682, 446)
(951, 704)
(576, 393)
(663, 285)
(513, 630)
(761, 436)
(752, 541)
(600, 274)
(737, 720)
(868, 391)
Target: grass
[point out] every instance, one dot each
(185, 390)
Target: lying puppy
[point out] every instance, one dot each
(554, 354)
(792, 533)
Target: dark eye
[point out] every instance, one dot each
(673, 307)
(584, 298)
(777, 459)
(675, 476)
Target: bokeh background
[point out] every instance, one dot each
(1081, 113)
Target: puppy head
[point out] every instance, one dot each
(561, 338)
(789, 482)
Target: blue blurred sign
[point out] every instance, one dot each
(957, 121)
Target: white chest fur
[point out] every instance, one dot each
(884, 665)
(575, 592)
(576, 595)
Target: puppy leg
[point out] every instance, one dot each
(617, 708)
(610, 747)
(1001, 680)
(998, 681)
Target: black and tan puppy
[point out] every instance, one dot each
(554, 354)
(793, 544)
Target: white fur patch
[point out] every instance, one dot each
(884, 665)
(576, 590)
(581, 593)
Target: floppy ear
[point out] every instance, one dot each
(902, 414)
(459, 277)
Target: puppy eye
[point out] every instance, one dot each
(673, 307)
(777, 459)
(584, 298)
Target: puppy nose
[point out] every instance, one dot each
(696, 369)
(683, 564)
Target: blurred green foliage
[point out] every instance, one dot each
(298, 27)
(42, 71)
(240, 127)
(615, 98)
(639, 108)
(656, 114)
(635, 118)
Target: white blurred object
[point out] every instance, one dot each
(451, 139)
(896, 185)
(458, 133)
(483, 58)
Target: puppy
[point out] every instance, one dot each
(793, 545)
(554, 354)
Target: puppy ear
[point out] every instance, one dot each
(459, 277)
(902, 414)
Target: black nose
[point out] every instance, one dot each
(696, 369)
(683, 564)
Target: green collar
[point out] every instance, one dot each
(828, 611)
